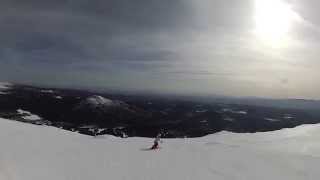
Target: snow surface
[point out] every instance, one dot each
(30, 152)
(28, 115)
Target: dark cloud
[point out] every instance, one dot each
(154, 43)
(83, 29)
(100, 39)
(113, 14)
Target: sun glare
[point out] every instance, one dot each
(273, 20)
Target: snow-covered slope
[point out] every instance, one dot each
(31, 152)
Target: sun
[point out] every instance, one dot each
(273, 20)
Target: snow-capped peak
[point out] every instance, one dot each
(99, 103)
(99, 100)
(4, 86)
(49, 91)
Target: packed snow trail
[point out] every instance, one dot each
(30, 152)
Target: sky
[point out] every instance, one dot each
(264, 48)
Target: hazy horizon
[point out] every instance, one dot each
(249, 48)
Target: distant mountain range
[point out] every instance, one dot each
(95, 113)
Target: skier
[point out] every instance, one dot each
(156, 142)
